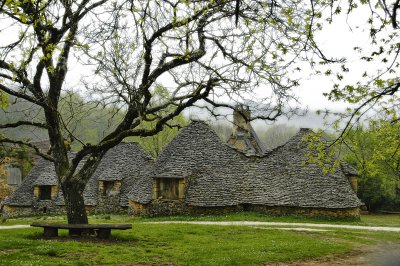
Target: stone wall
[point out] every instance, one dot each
(176, 207)
(158, 207)
(106, 204)
(5, 189)
(311, 212)
(15, 211)
(109, 200)
(37, 209)
(162, 208)
(47, 207)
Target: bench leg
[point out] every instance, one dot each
(104, 233)
(50, 232)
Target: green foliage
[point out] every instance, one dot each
(155, 144)
(319, 152)
(86, 121)
(377, 86)
(375, 152)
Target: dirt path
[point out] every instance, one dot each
(298, 226)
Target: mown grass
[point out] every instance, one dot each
(161, 244)
(186, 244)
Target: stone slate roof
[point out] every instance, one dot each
(136, 164)
(23, 195)
(348, 170)
(121, 161)
(281, 179)
(126, 162)
(191, 154)
(47, 175)
(218, 175)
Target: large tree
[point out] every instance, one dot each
(206, 53)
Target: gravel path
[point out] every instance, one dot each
(293, 226)
(14, 226)
(296, 225)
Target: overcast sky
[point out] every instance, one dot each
(336, 40)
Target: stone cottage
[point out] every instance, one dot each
(119, 170)
(199, 173)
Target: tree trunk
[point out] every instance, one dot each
(74, 203)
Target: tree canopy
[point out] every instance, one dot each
(210, 54)
(375, 151)
(376, 91)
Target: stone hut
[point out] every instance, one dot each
(280, 182)
(199, 173)
(120, 168)
(184, 177)
(38, 192)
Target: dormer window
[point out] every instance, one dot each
(109, 188)
(44, 192)
(169, 188)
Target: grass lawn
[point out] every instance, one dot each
(184, 244)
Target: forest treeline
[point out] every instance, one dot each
(88, 123)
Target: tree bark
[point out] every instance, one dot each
(74, 203)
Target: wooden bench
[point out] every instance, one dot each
(102, 231)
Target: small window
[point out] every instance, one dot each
(108, 188)
(45, 192)
(168, 188)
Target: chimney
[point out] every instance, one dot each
(243, 137)
(241, 119)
